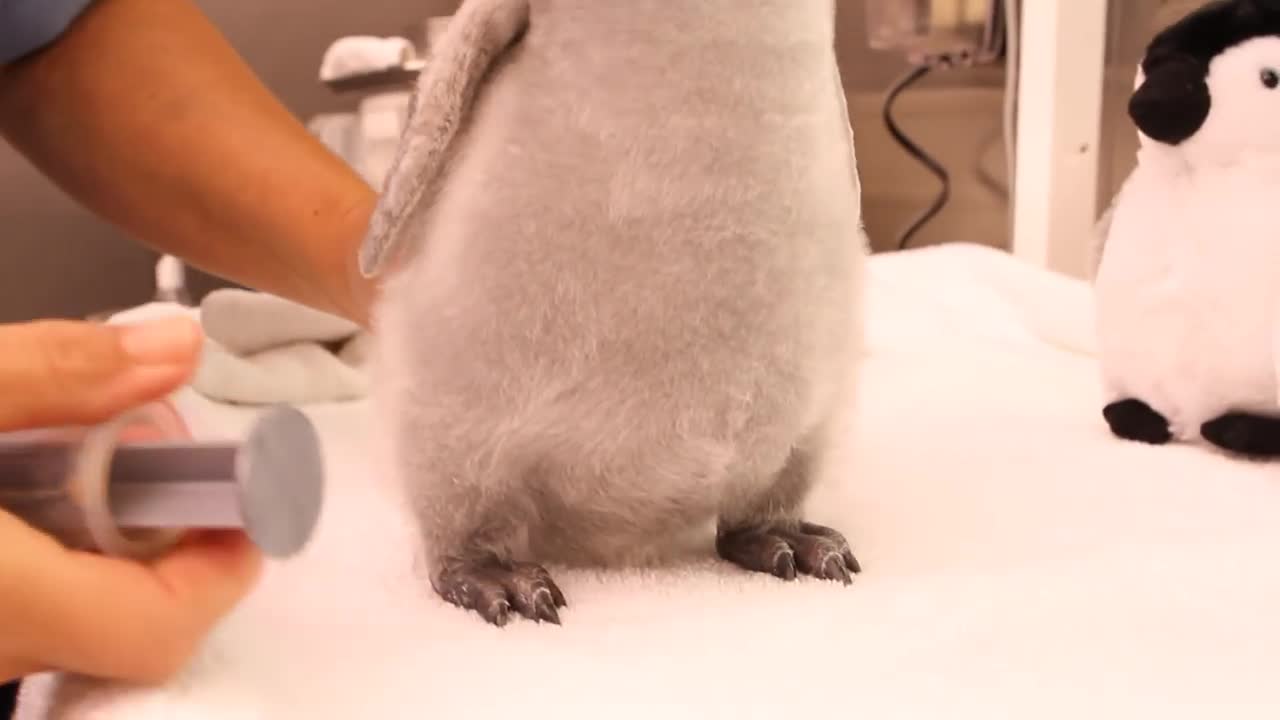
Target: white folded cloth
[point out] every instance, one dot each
(368, 138)
(338, 131)
(261, 349)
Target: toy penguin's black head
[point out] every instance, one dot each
(1174, 99)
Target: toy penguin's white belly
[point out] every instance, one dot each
(1186, 296)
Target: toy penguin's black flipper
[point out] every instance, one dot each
(1132, 419)
(1247, 434)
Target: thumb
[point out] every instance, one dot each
(61, 372)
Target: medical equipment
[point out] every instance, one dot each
(954, 31)
(375, 77)
(931, 34)
(361, 63)
(96, 488)
(171, 281)
(941, 34)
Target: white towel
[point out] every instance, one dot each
(1018, 563)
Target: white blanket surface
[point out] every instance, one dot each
(1019, 562)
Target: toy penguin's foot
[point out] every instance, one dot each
(806, 549)
(1132, 419)
(1256, 436)
(492, 588)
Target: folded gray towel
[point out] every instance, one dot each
(298, 373)
(245, 322)
(262, 349)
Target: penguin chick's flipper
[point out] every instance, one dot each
(477, 36)
(1132, 419)
(493, 588)
(1255, 436)
(785, 551)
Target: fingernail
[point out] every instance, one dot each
(166, 340)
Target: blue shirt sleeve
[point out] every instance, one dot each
(29, 25)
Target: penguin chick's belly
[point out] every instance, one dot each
(637, 297)
(1186, 302)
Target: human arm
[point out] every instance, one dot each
(145, 114)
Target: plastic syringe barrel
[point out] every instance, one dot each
(94, 491)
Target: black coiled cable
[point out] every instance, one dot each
(906, 81)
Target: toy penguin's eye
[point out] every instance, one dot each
(1270, 78)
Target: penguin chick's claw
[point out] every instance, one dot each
(1132, 419)
(808, 549)
(493, 589)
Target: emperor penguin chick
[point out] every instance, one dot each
(622, 246)
(1188, 285)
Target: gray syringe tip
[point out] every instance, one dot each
(281, 481)
(271, 484)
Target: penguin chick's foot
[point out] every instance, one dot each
(1132, 419)
(1253, 436)
(805, 549)
(494, 588)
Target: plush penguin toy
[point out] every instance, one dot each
(1188, 280)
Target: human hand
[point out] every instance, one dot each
(82, 612)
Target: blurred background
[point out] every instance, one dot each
(955, 116)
